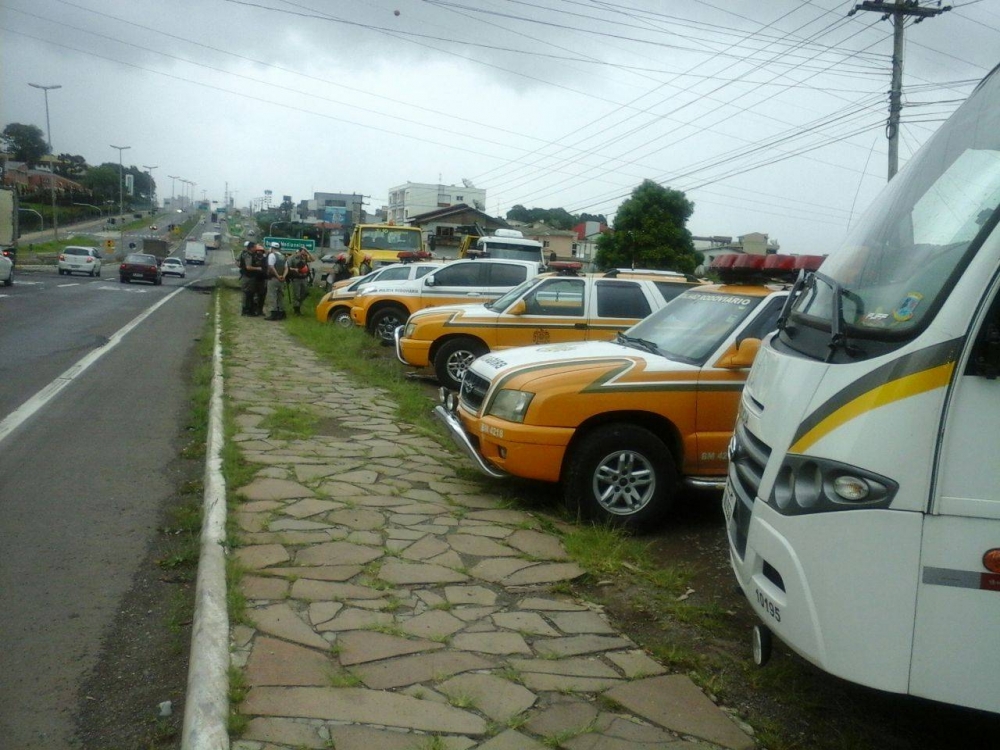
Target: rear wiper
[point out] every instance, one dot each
(648, 346)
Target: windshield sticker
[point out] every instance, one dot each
(728, 300)
(876, 319)
(907, 307)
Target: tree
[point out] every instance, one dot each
(650, 232)
(102, 182)
(71, 165)
(24, 142)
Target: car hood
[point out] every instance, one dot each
(447, 311)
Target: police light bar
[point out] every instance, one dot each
(759, 269)
(565, 266)
(406, 256)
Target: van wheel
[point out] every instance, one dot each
(454, 358)
(622, 475)
(386, 321)
(341, 318)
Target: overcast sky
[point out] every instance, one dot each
(769, 114)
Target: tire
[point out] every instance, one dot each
(385, 322)
(622, 475)
(61, 272)
(98, 273)
(9, 281)
(121, 279)
(92, 272)
(454, 358)
(340, 317)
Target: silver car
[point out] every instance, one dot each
(79, 260)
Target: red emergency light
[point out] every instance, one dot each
(759, 269)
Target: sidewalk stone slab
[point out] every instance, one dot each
(537, 544)
(399, 572)
(274, 662)
(262, 556)
(550, 605)
(449, 559)
(478, 546)
(284, 732)
(674, 702)
(428, 546)
(310, 507)
(524, 622)
(435, 624)
(581, 644)
(491, 643)
(497, 698)
(469, 614)
(636, 664)
(497, 570)
(318, 590)
(364, 477)
(320, 572)
(409, 670)
(511, 740)
(470, 595)
(357, 518)
(321, 612)
(279, 620)
(568, 683)
(550, 573)
(274, 489)
(358, 647)
(260, 587)
(355, 619)
(480, 529)
(577, 667)
(359, 705)
(337, 553)
(581, 622)
(568, 716)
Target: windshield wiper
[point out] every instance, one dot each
(793, 294)
(648, 346)
(838, 336)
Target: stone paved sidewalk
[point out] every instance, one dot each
(395, 608)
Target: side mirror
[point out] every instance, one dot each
(518, 308)
(429, 280)
(740, 355)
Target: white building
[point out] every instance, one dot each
(414, 198)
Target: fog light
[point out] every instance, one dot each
(850, 488)
(501, 451)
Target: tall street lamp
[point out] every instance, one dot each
(149, 177)
(52, 165)
(121, 199)
(173, 182)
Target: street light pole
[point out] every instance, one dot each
(121, 200)
(173, 181)
(52, 166)
(149, 176)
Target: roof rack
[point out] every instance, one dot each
(652, 272)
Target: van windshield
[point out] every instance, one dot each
(896, 268)
(508, 250)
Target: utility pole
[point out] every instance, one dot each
(52, 156)
(149, 186)
(897, 11)
(121, 201)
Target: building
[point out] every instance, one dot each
(345, 209)
(753, 243)
(414, 198)
(560, 242)
(17, 174)
(444, 228)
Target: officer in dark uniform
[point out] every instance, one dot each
(249, 271)
(341, 269)
(299, 277)
(259, 279)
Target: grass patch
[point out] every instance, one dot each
(238, 689)
(343, 679)
(604, 551)
(290, 423)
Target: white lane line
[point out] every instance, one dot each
(21, 282)
(75, 283)
(26, 410)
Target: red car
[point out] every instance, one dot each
(140, 267)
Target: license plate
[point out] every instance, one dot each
(728, 503)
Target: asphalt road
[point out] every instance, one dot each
(82, 481)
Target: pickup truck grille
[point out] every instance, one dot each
(748, 457)
(473, 391)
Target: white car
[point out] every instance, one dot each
(77, 259)
(6, 269)
(172, 267)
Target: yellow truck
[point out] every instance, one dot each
(552, 308)
(620, 424)
(374, 245)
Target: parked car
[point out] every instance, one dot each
(140, 267)
(335, 306)
(549, 309)
(79, 260)
(6, 269)
(172, 267)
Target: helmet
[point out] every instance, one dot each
(248, 243)
(368, 259)
(341, 257)
(275, 246)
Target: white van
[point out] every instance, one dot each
(863, 495)
(194, 252)
(212, 240)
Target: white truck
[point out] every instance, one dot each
(194, 252)
(212, 240)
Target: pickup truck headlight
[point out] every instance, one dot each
(408, 330)
(511, 405)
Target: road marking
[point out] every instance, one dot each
(75, 283)
(19, 282)
(28, 409)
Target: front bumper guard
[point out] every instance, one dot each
(461, 438)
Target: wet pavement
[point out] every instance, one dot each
(395, 606)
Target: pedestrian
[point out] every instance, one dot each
(249, 272)
(341, 269)
(259, 279)
(277, 272)
(299, 277)
(366, 266)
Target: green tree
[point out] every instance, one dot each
(24, 142)
(102, 182)
(650, 232)
(71, 165)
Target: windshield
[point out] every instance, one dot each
(510, 250)
(695, 324)
(513, 295)
(390, 238)
(897, 267)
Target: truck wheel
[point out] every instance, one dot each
(341, 317)
(623, 475)
(454, 358)
(385, 322)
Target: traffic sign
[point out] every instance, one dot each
(290, 244)
(109, 244)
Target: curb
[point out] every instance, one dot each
(206, 709)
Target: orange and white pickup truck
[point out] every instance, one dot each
(552, 308)
(380, 310)
(335, 305)
(620, 424)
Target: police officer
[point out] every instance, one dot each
(249, 272)
(341, 269)
(259, 279)
(299, 277)
(277, 272)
